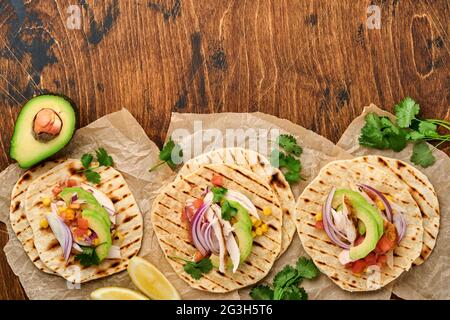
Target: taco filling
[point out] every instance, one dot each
(366, 224)
(83, 220)
(222, 225)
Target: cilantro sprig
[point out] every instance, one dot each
(288, 161)
(196, 269)
(88, 257)
(286, 282)
(227, 210)
(166, 155)
(103, 159)
(383, 133)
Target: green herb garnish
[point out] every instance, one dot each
(165, 155)
(227, 210)
(287, 161)
(103, 159)
(196, 269)
(219, 193)
(88, 257)
(286, 282)
(382, 133)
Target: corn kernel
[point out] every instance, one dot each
(380, 204)
(119, 236)
(46, 202)
(95, 242)
(319, 216)
(257, 223)
(69, 214)
(258, 232)
(264, 228)
(253, 234)
(267, 211)
(253, 220)
(61, 210)
(389, 198)
(43, 223)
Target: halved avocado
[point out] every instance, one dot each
(44, 126)
(243, 230)
(98, 225)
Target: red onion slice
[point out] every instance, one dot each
(197, 234)
(61, 231)
(383, 199)
(327, 223)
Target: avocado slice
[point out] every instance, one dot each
(361, 228)
(360, 201)
(243, 232)
(91, 202)
(45, 124)
(371, 238)
(98, 225)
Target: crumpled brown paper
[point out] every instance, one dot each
(431, 279)
(317, 151)
(134, 153)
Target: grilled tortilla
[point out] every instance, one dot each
(129, 222)
(19, 222)
(255, 162)
(173, 236)
(422, 192)
(347, 174)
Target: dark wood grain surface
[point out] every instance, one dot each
(313, 62)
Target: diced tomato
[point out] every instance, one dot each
(359, 266)
(217, 180)
(190, 212)
(359, 240)
(197, 203)
(83, 223)
(319, 225)
(381, 260)
(198, 256)
(78, 232)
(349, 265)
(371, 259)
(71, 183)
(56, 190)
(184, 217)
(390, 231)
(384, 245)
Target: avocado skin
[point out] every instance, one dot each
(17, 128)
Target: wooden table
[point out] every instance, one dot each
(315, 63)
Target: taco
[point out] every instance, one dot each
(83, 231)
(261, 166)
(359, 224)
(19, 222)
(422, 192)
(223, 213)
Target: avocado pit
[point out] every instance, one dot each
(47, 124)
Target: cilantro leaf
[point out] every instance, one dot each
(422, 155)
(168, 150)
(294, 293)
(415, 136)
(197, 269)
(306, 268)
(289, 144)
(103, 158)
(406, 111)
(92, 176)
(382, 133)
(427, 128)
(219, 193)
(88, 257)
(291, 165)
(86, 160)
(261, 292)
(227, 210)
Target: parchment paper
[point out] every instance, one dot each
(133, 152)
(431, 280)
(317, 151)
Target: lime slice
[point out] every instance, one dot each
(147, 278)
(116, 293)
